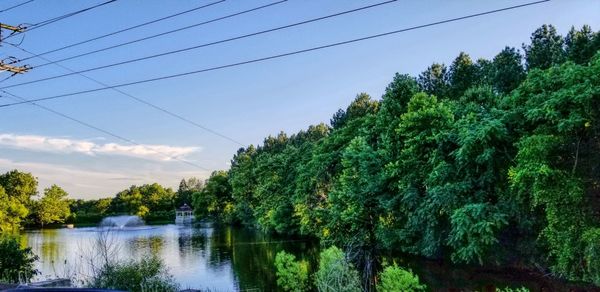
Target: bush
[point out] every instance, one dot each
(591, 240)
(507, 289)
(143, 275)
(291, 275)
(394, 278)
(335, 273)
(16, 263)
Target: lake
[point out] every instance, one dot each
(234, 259)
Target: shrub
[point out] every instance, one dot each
(507, 289)
(335, 273)
(394, 278)
(16, 263)
(291, 274)
(591, 240)
(147, 274)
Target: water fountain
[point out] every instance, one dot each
(122, 221)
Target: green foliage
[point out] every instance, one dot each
(16, 263)
(141, 200)
(292, 275)
(335, 273)
(186, 189)
(215, 199)
(394, 278)
(591, 241)
(474, 231)
(546, 48)
(508, 289)
(581, 45)
(146, 274)
(54, 206)
(12, 212)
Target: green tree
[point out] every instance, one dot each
(186, 188)
(545, 49)
(394, 278)
(16, 263)
(19, 185)
(507, 70)
(461, 76)
(54, 206)
(353, 216)
(292, 275)
(435, 80)
(581, 45)
(12, 212)
(335, 273)
(215, 199)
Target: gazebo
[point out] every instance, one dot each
(184, 214)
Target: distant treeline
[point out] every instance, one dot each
(20, 205)
(490, 162)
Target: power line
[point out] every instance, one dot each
(15, 6)
(180, 117)
(283, 54)
(58, 18)
(24, 100)
(154, 21)
(193, 47)
(205, 44)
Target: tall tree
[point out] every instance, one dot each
(434, 80)
(353, 217)
(215, 200)
(462, 75)
(581, 45)
(507, 70)
(545, 49)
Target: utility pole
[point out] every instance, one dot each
(8, 66)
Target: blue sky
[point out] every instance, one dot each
(246, 103)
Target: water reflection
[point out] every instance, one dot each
(231, 259)
(200, 256)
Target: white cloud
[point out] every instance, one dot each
(63, 145)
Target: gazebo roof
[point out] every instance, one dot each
(185, 207)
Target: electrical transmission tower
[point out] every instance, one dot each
(7, 64)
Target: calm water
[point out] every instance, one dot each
(199, 256)
(232, 259)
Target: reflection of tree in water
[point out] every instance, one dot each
(141, 246)
(252, 255)
(50, 249)
(192, 241)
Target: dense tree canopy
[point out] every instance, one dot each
(483, 162)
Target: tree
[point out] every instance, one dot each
(19, 185)
(434, 80)
(507, 71)
(335, 273)
(54, 206)
(462, 75)
(12, 212)
(394, 278)
(186, 189)
(292, 275)
(215, 199)
(354, 211)
(581, 45)
(545, 50)
(16, 263)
